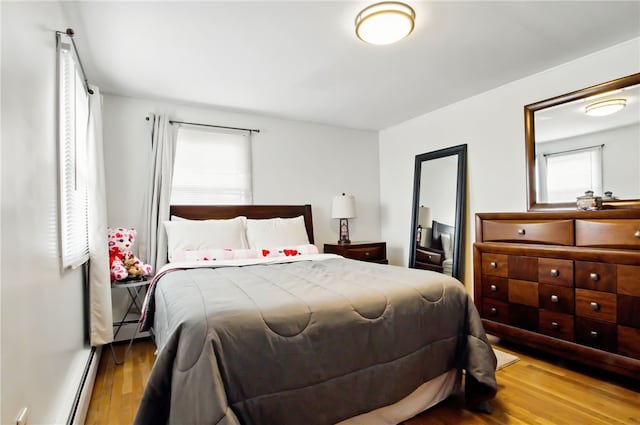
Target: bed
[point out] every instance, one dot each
(305, 338)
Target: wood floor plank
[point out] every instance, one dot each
(536, 390)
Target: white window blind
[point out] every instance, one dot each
(211, 167)
(570, 174)
(74, 115)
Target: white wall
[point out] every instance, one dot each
(293, 163)
(43, 353)
(492, 125)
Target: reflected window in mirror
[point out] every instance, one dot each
(588, 140)
(438, 208)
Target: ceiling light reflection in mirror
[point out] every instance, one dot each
(610, 119)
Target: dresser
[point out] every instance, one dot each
(567, 283)
(375, 252)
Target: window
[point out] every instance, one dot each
(211, 167)
(570, 174)
(73, 120)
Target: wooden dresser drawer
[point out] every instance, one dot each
(495, 287)
(556, 298)
(596, 334)
(629, 341)
(495, 265)
(557, 232)
(555, 272)
(495, 310)
(596, 305)
(523, 292)
(596, 276)
(554, 324)
(608, 233)
(628, 280)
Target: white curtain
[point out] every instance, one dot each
(153, 248)
(100, 313)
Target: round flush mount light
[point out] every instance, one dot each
(385, 22)
(605, 107)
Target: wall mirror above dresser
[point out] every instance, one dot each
(437, 223)
(588, 139)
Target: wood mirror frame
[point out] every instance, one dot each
(530, 146)
(458, 227)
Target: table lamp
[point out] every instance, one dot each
(344, 208)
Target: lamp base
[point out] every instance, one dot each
(344, 232)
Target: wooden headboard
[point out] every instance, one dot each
(438, 229)
(203, 212)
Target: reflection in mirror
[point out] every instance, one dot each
(438, 209)
(587, 140)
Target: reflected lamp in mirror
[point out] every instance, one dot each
(343, 208)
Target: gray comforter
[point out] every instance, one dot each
(310, 342)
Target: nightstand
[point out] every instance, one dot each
(374, 252)
(429, 259)
(137, 290)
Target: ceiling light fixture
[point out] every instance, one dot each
(605, 107)
(385, 22)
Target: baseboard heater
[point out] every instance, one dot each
(82, 399)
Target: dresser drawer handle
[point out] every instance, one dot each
(594, 277)
(493, 288)
(637, 234)
(494, 311)
(366, 254)
(594, 306)
(593, 334)
(554, 273)
(521, 232)
(493, 265)
(555, 325)
(554, 298)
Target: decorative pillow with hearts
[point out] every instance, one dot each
(235, 254)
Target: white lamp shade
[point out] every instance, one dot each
(343, 206)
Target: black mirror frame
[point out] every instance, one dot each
(458, 239)
(530, 144)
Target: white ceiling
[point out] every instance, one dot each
(301, 59)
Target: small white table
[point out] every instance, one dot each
(136, 290)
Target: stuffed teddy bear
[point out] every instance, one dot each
(122, 261)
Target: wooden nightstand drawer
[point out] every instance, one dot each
(375, 252)
(426, 255)
(495, 310)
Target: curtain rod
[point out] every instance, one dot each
(251, 130)
(70, 32)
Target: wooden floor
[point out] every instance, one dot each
(535, 390)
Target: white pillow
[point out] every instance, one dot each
(447, 245)
(276, 232)
(188, 235)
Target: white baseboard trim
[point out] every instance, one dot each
(78, 413)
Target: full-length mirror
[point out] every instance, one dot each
(587, 140)
(438, 211)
